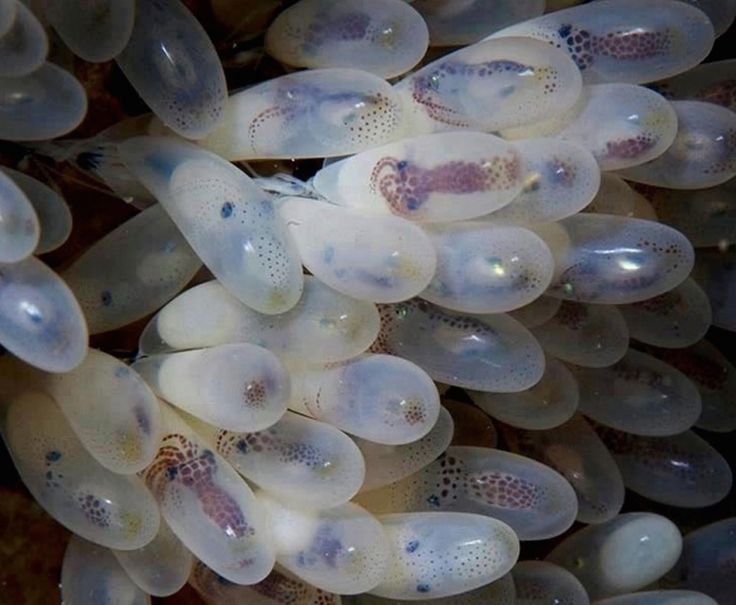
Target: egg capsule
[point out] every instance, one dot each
(712, 82)
(547, 404)
(132, 271)
(575, 451)
(437, 177)
(678, 318)
(91, 574)
(325, 326)
(533, 499)
(41, 105)
(341, 549)
(52, 212)
(714, 271)
(660, 597)
(278, 588)
(107, 508)
(490, 86)
(444, 554)
(622, 555)
(376, 258)
(485, 353)
(537, 312)
(541, 582)
(615, 196)
(171, 62)
(702, 155)
(8, 9)
(97, 32)
(297, 459)
(611, 41)
(161, 567)
(460, 23)
(24, 46)
(610, 259)
(384, 37)
(40, 320)
(19, 228)
(381, 398)
(208, 505)
(308, 114)
(594, 336)
(640, 395)
(483, 267)
(228, 220)
(385, 464)
(678, 470)
(561, 178)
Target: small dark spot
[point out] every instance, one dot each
(171, 473)
(422, 587)
(433, 501)
(565, 30)
(106, 298)
(227, 210)
(53, 456)
(402, 164)
(142, 419)
(412, 545)
(242, 446)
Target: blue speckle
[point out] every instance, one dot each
(565, 30)
(423, 588)
(412, 545)
(329, 254)
(172, 472)
(106, 298)
(227, 210)
(402, 164)
(242, 446)
(89, 160)
(53, 456)
(433, 501)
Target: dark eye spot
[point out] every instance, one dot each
(53, 456)
(402, 164)
(227, 210)
(422, 587)
(106, 298)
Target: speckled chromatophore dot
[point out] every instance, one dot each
(19, 225)
(132, 271)
(384, 37)
(91, 574)
(485, 353)
(324, 325)
(534, 500)
(660, 597)
(341, 549)
(113, 510)
(541, 582)
(228, 220)
(615, 259)
(625, 41)
(437, 177)
(490, 86)
(376, 258)
(622, 555)
(241, 387)
(171, 62)
(307, 114)
(23, 48)
(444, 554)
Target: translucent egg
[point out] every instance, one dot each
(715, 272)
(438, 177)
(575, 451)
(42, 105)
(384, 37)
(228, 220)
(536, 501)
(376, 258)
(702, 155)
(54, 217)
(298, 459)
(712, 82)
(306, 114)
(96, 32)
(486, 353)
(537, 312)
(472, 425)
(622, 555)
(561, 178)
(24, 46)
(490, 86)
(341, 549)
(593, 336)
(454, 23)
(381, 398)
(640, 395)
(90, 574)
(161, 567)
(324, 325)
(615, 259)
(541, 582)
(483, 267)
(19, 224)
(209, 506)
(444, 554)
(172, 63)
(547, 404)
(132, 271)
(679, 470)
(385, 464)
(660, 597)
(675, 319)
(113, 510)
(40, 320)
(625, 41)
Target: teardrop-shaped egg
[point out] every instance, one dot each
(23, 48)
(19, 224)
